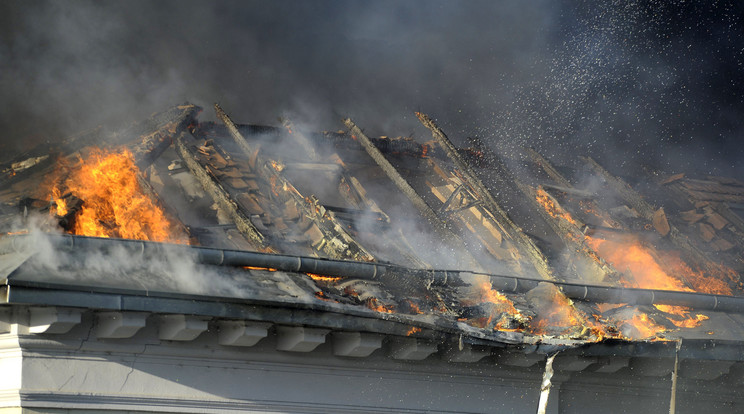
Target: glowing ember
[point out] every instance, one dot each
(113, 202)
(375, 305)
(413, 330)
(322, 278)
(269, 269)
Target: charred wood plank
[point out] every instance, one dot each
(151, 145)
(335, 242)
(219, 194)
(511, 230)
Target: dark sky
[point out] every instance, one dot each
(658, 82)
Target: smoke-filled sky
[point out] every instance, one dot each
(628, 82)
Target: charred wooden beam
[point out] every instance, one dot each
(538, 159)
(450, 199)
(151, 145)
(395, 177)
(572, 235)
(510, 229)
(219, 194)
(571, 191)
(300, 139)
(334, 240)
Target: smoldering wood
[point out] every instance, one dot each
(573, 237)
(538, 159)
(334, 241)
(147, 148)
(300, 139)
(571, 191)
(436, 223)
(218, 193)
(396, 178)
(513, 232)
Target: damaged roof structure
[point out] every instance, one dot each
(277, 269)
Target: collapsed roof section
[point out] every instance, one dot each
(531, 253)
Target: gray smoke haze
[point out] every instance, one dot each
(627, 82)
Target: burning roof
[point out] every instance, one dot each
(423, 238)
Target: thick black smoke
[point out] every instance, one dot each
(628, 82)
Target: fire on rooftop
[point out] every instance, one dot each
(437, 242)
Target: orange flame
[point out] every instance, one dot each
(640, 268)
(413, 330)
(552, 209)
(61, 204)
(269, 269)
(322, 278)
(375, 305)
(683, 312)
(113, 202)
(486, 293)
(642, 327)
(556, 311)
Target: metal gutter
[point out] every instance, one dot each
(386, 272)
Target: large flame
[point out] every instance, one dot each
(642, 266)
(113, 202)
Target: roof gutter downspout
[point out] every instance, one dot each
(382, 271)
